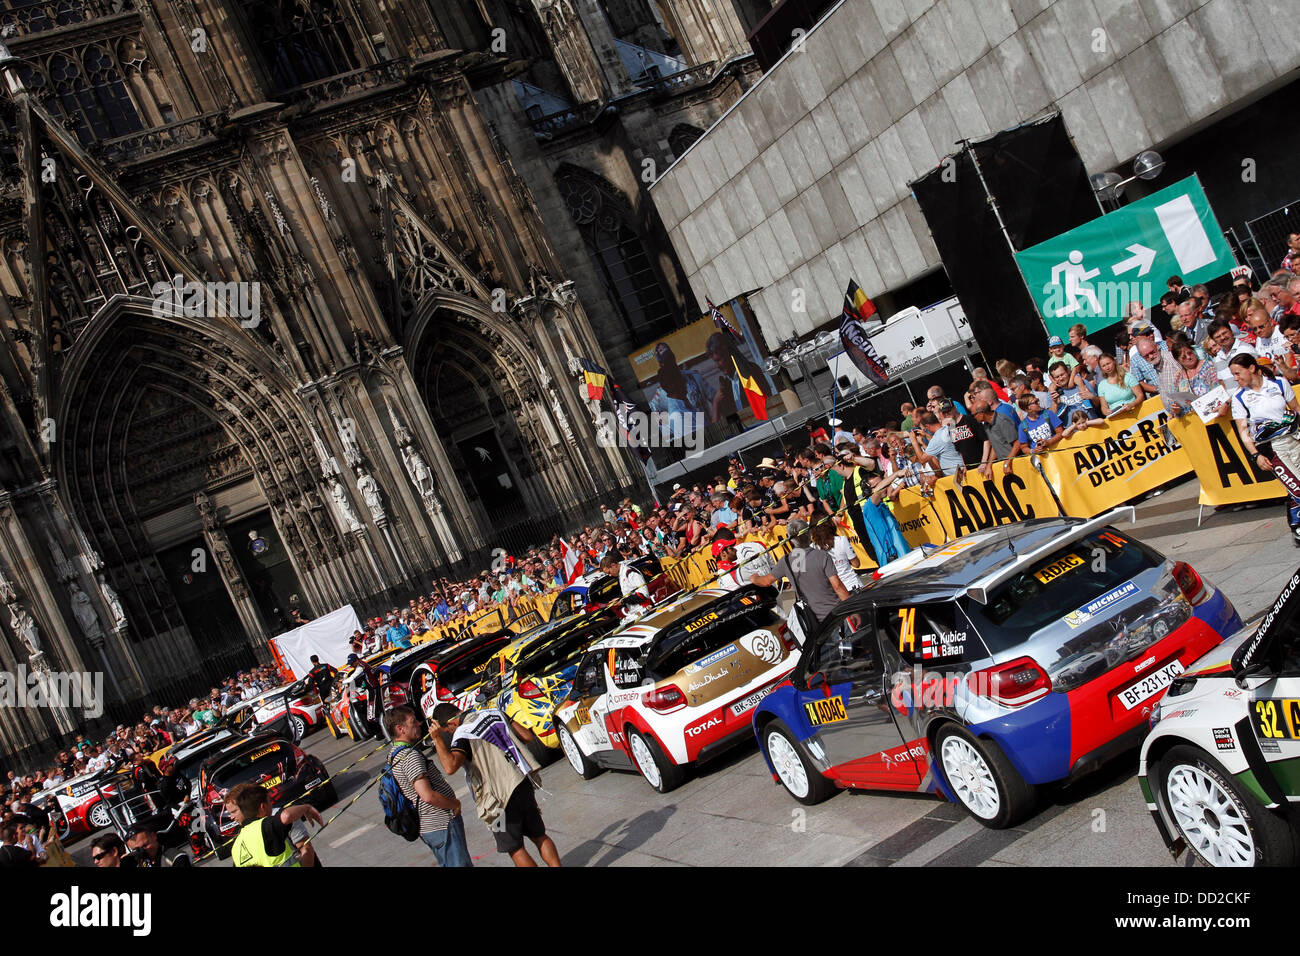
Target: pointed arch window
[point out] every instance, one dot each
(618, 251)
(88, 90)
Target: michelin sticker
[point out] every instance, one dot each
(1081, 616)
(713, 658)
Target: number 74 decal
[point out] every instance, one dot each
(907, 631)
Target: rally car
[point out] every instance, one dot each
(677, 687)
(306, 712)
(274, 762)
(981, 669)
(541, 673)
(454, 674)
(1220, 770)
(346, 709)
(597, 590)
(75, 807)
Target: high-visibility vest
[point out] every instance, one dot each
(249, 850)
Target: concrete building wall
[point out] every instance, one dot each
(804, 182)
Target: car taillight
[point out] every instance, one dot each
(1190, 583)
(185, 820)
(212, 796)
(664, 700)
(1013, 684)
(530, 690)
(445, 695)
(397, 695)
(790, 643)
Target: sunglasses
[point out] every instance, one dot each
(96, 857)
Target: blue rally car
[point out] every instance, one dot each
(986, 667)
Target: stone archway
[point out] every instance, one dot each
(211, 401)
(488, 389)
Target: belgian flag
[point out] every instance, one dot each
(753, 392)
(594, 376)
(856, 301)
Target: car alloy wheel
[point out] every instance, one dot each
(98, 816)
(970, 777)
(297, 727)
(571, 750)
(788, 764)
(645, 761)
(1209, 817)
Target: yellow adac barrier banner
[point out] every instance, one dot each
(1104, 466)
(975, 504)
(1224, 468)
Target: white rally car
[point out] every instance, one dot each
(1220, 770)
(677, 687)
(304, 705)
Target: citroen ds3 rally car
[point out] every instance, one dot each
(677, 687)
(1007, 659)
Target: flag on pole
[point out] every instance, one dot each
(621, 409)
(855, 298)
(594, 376)
(753, 392)
(853, 337)
(723, 325)
(572, 562)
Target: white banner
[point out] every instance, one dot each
(326, 636)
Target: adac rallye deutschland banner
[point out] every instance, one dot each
(976, 504)
(1104, 466)
(1227, 474)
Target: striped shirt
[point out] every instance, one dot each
(409, 765)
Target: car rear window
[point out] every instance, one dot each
(605, 589)
(458, 675)
(558, 648)
(273, 759)
(709, 629)
(1062, 582)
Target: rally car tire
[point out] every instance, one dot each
(63, 827)
(585, 768)
(98, 817)
(329, 725)
(985, 782)
(660, 772)
(1187, 778)
(796, 772)
(297, 728)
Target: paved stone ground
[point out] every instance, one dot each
(731, 813)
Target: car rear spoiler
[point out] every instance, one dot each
(979, 591)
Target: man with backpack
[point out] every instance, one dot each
(500, 776)
(417, 799)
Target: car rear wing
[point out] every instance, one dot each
(980, 590)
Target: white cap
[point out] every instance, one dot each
(836, 421)
(677, 487)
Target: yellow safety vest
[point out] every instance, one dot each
(249, 850)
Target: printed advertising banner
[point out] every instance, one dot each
(690, 377)
(1105, 466)
(1226, 473)
(978, 503)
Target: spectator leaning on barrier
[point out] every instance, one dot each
(939, 451)
(1002, 432)
(1039, 430)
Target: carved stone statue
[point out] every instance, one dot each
(344, 506)
(418, 470)
(206, 510)
(21, 621)
(369, 489)
(84, 612)
(114, 603)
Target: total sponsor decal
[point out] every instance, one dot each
(713, 658)
(1081, 616)
(1223, 738)
(697, 729)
